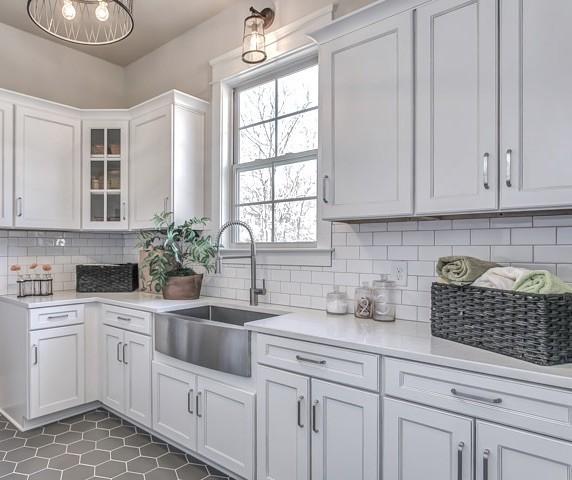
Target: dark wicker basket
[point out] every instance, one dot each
(532, 327)
(107, 278)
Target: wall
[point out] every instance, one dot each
(38, 67)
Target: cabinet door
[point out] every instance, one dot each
(508, 454)
(345, 433)
(366, 121)
(226, 426)
(6, 163)
(421, 443)
(112, 371)
(150, 166)
(536, 101)
(136, 356)
(456, 146)
(47, 169)
(57, 369)
(174, 405)
(283, 422)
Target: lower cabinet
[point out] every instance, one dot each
(53, 352)
(209, 417)
(308, 427)
(126, 373)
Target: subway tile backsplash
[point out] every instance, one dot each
(362, 253)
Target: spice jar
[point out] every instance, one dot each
(383, 293)
(336, 302)
(363, 307)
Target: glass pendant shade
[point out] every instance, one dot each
(254, 42)
(87, 22)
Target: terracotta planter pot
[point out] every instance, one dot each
(183, 288)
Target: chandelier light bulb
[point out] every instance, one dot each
(102, 12)
(68, 10)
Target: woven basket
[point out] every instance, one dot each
(532, 327)
(107, 278)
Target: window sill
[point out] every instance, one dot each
(307, 257)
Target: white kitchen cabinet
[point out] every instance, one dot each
(126, 373)
(174, 404)
(366, 120)
(54, 351)
(105, 166)
(421, 443)
(505, 453)
(536, 101)
(345, 432)
(456, 107)
(167, 150)
(47, 182)
(225, 423)
(6, 163)
(283, 410)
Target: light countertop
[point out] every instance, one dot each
(403, 339)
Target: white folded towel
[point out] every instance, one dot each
(502, 278)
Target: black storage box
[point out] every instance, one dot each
(107, 278)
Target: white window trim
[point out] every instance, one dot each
(286, 47)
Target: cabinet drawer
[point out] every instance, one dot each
(533, 407)
(127, 319)
(50, 317)
(320, 361)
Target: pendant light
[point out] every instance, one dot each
(86, 22)
(253, 41)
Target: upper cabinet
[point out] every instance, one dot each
(536, 104)
(47, 169)
(456, 118)
(6, 163)
(366, 120)
(166, 161)
(105, 157)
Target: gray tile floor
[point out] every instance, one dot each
(97, 445)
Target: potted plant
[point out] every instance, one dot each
(171, 254)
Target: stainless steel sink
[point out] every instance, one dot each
(210, 336)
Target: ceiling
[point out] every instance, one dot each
(156, 22)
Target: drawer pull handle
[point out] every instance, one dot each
(55, 317)
(124, 319)
(124, 354)
(189, 401)
(310, 360)
(477, 398)
(197, 404)
(486, 455)
(118, 347)
(315, 416)
(300, 399)
(460, 460)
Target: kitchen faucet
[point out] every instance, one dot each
(254, 291)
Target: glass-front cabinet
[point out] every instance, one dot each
(105, 159)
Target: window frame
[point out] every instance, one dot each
(271, 163)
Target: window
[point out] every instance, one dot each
(275, 160)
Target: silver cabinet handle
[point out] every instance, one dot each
(124, 354)
(310, 360)
(486, 171)
(118, 347)
(55, 317)
(300, 400)
(325, 180)
(124, 207)
(486, 455)
(189, 401)
(35, 348)
(315, 416)
(509, 168)
(478, 398)
(20, 210)
(124, 319)
(197, 404)
(460, 460)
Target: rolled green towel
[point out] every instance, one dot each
(541, 281)
(460, 270)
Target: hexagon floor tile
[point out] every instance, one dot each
(98, 443)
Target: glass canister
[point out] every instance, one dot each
(336, 302)
(363, 306)
(383, 298)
